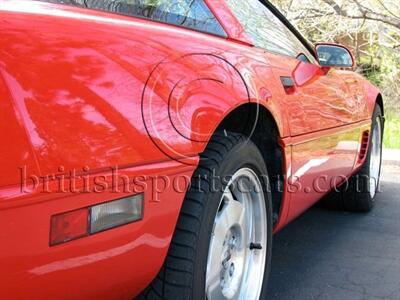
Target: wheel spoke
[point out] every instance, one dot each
(214, 264)
(214, 290)
(233, 211)
(213, 282)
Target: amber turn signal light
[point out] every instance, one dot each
(69, 226)
(86, 221)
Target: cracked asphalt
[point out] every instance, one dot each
(335, 255)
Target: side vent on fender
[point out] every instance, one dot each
(364, 146)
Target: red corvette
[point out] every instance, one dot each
(151, 148)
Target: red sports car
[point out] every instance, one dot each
(151, 148)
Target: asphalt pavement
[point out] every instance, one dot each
(329, 255)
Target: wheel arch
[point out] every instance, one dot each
(373, 97)
(258, 123)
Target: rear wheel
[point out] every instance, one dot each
(221, 248)
(359, 193)
(236, 265)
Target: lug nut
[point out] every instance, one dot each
(231, 270)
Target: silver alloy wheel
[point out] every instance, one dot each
(238, 246)
(376, 157)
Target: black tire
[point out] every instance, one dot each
(183, 273)
(354, 195)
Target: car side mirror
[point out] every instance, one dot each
(332, 55)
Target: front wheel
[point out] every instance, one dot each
(374, 160)
(359, 192)
(221, 248)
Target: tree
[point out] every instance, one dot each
(371, 28)
(387, 13)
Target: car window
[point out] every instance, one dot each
(193, 14)
(267, 31)
(303, 58)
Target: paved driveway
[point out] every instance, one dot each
(335, 255)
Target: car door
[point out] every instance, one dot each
(318, 105)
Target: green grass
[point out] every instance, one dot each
(392, 132)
